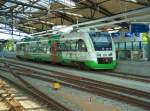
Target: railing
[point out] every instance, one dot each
(131, 50)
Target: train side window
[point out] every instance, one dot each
(18, 47)
(67, 46)
(81, 45)
(40, 47)
(73, 45)
(61, 46)
(22, 47)
(58, 48)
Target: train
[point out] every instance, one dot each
(91, 49)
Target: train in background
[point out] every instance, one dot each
(90, 49)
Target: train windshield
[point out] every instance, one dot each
(101, 41)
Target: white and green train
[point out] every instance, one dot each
(94, 50)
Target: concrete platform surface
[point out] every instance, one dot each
(134, 67)
(88, 104)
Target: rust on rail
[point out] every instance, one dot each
(8, 99)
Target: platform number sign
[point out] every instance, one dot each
(139, 28)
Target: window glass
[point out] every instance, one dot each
(68, 46)
(116, 45)
(101, 40)
(82, 46)
(122, 45)
(135, 45)
(18, 48)
(73, 45)
(128, 45)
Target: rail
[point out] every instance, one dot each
(7, 97)
(128, 95)
(53, 104)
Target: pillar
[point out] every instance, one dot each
(149, 44)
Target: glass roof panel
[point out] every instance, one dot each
(22, 15)
(8, 4)
(44, 3)
(24, 1)
(5, 30)
(30, 9)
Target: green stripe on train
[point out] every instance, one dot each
(94, 65)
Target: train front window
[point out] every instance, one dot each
(101, 41)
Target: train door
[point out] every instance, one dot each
(17, 49)
(81, 50)
(25, 50)
(53, 51)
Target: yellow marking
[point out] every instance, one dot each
(55, 85)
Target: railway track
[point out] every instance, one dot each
(128, 95)
(7, 97)
(140, 78)
(127, 76)
(109, 73)
(54, 105)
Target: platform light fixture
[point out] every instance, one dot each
(117, 28)
(109, 29)
(44, 22)
(69, 13)
(113, 31)
(68, 3)
(132, 0)
(33, 0)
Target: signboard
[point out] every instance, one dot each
(137, 34)
(128, 34)
(139, 28)
(116, 34)
(144, 37)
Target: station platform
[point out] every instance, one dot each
(141, 68)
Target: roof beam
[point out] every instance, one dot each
(9, 15)
(99, 21)
(102, 2)
(138, 2)
(64, 16)
(119, 21)
(22, 9)
(96, 7)
(2, 2)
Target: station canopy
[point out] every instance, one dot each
(38, 15)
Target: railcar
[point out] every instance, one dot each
(93, 50)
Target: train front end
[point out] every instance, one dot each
(102, 55)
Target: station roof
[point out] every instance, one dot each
(38, 15)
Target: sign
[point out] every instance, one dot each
(116, 34)
(128, 34)
(137, 34)
(139, 28)
(144, 37)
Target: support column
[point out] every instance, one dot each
(149, 44)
